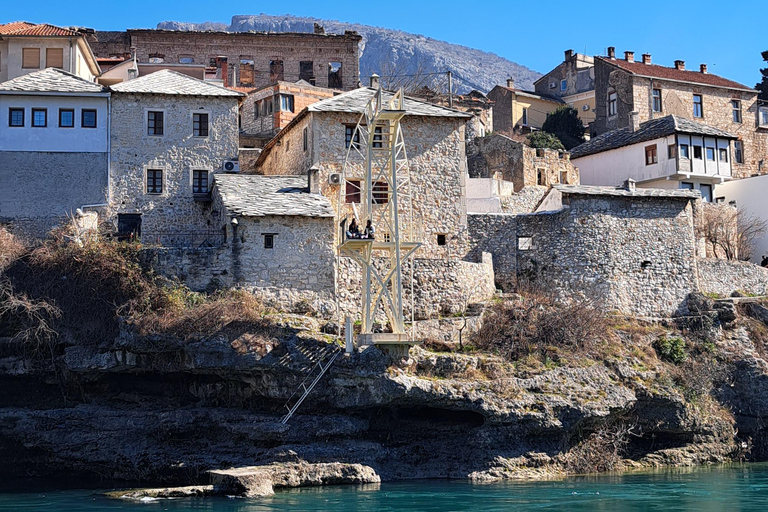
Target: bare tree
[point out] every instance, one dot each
(729, 232)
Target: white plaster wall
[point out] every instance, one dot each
(13, 67)
(52, 138)
(749, 194)
(3, 61)
(615, 166)
(703, 166)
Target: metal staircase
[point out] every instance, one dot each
(324, 360)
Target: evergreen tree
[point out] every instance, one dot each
(763, 85)
(565, 124)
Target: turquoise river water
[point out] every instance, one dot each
(733, 488)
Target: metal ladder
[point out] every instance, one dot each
(309, 382)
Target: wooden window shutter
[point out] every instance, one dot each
(54, 58)
(30, 58)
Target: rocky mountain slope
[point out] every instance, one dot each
(392, 52)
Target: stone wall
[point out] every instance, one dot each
(495, 234)
(270, 124)
(723, 277)
(173, 217)
(247, 159)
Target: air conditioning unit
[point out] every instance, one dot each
(232, 166)
(585, 107)
(334, 178)
(552, 85)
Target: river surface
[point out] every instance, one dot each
(732, 488)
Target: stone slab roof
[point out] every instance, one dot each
(681, 75)
(252, 195)
(649, 130)
(173, 83)
(533, 94)
(588, 190)
(354, 101)
(51, 80)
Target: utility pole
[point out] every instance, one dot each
(450, 90)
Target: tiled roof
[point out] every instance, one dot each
(51, 80)
(648, 130)
(170, 82)
(354, 101)
(252, 195)
(244, 90)
(683, 75)
(24, 28)
(587, 190)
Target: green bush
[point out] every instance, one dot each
(544, 140)
(671, 349)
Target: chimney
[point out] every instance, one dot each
(634, 121)
(511, 83)
(568, 55)
(221, 65)
(703, 68)
(646, 58)
(680, 64)
(611, 52)
(133, 52)
(629, 185)
(629, 56)
(313, 180)
(375, 81)
(319, 29)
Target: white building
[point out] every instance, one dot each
(54, 145)
(669, 152)
(27, 47)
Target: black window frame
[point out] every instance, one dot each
(378, 137)
(653, 152)
(352, 192)
(700, 104)
(722, 155)
(736, 108)
(65, 110)
(380, 192)
(95, 118)
(656, 105)
(153, 129)
(706, 198)
(200, 176)
(700, 150)
(441, 239)
(269, 240)
(351, 135)
(13, 110)
(738, 150)
(612, 106)
(45, 118)
(714, 155)
(305, 138)
(156, 187)
(200, 124)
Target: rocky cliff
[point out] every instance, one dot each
(392, 52)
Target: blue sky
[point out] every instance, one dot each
(531, 33)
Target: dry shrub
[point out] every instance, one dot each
(11, 248)
(27, 320)
(699, 376)
(538, 324)
(601, 451)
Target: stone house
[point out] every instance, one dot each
(625, 85)
(170, 134)
(54, 145)
(518, 111)
(667, 152)
(250, 59)
(573, 81)
(27, 47)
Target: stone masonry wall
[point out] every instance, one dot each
(723, 277)
(495, 234)
(270, 124)
(290, 157)
(173, 217)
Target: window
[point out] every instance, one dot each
(154, 123)
(306, 71)
(287, 145)
(684, 151)
(15, 117)
(256, 108)
(706, 192)
(199, 181)
(697, 152)
(525, 116)
(650, 155)
(723, 155)
(657, 100)
(39, 117)
(88, 118)
(541, 177)
(738, 151)
(275, 70)
(349, 134)
(440, 239)
(334, 75)
(611, 104)
(30, 58)
(305, 137)
(563, 85)
(352, 192)
(270, 105)
(736, 106)
(763, 116)
(264, 106)
(711, 154)
(686, 185)
(377, 137)
(156, 58)
(698, 108)
(154, 181)
(269, 240)
(564, 177)
(186, 59)
(286, 102)
(671, 151)
(66, 118)
(524, 243)
(247, 70)
(199, 125)
(380, 192)
(54, 58)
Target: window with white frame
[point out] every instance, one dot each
(764, 116)
(286, 102)
(657, 100)
(563, 85)
(154, 181)
(736, 107)
(612, 99)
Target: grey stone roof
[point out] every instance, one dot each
(588, 190)
(252, 195)
(170, 82)
(51, 80)
(649, 130)
(354, 101)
